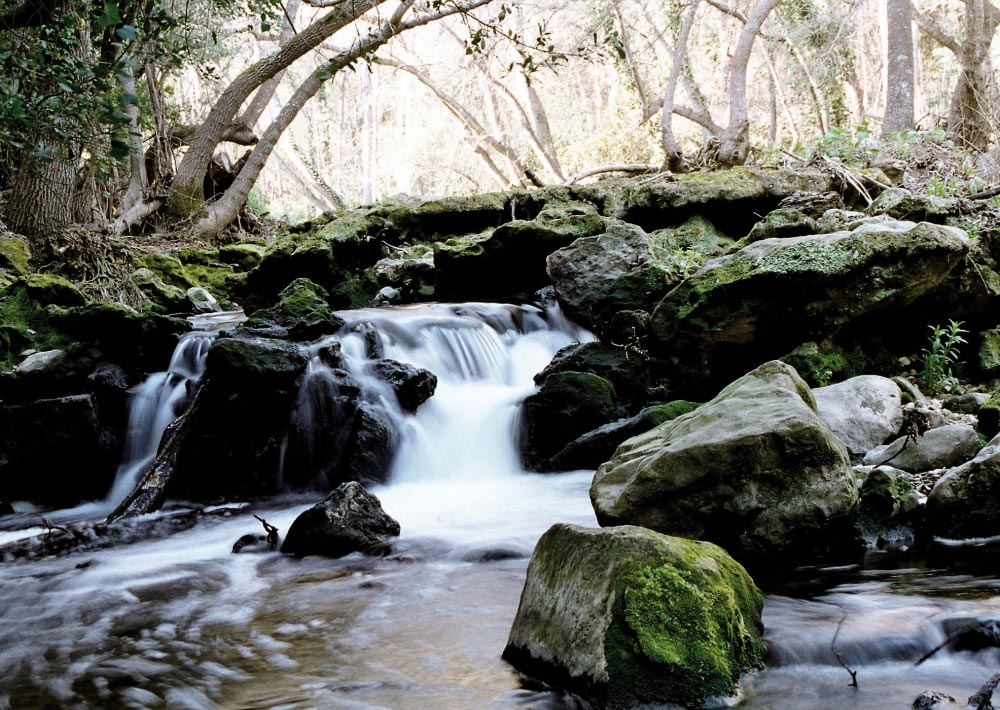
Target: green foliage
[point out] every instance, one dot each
(855, 147)
(939, 357)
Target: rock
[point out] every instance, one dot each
(820, 365)
(244, 256)
(932, 700)
(369, 451)
(900, 203)
(506, 261)
(568, 405)
(595, 447)
(755, 470)
(626, 371)
(989, 352)
(51, 289)
(349, 520)
(963, 503)
(166, 298)
(40, 362)
(245, 403)
(972, 633)
(302, 313)
(6, 508)
(736, 311)
(780, 223)
(966, 403)
(627, 617)
(813, 204)
(15, 254)
(942, 447)
(413, 385)
(411, 273)
(887, 499)
(862, 412)
(989, 417)
(202, 301)
(388, 296)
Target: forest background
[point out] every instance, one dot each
(138, 116)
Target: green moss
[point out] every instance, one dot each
(302, 311)
(54, 290)
(244, 256)
(169, 269)
(671, 410)
(886, 497)
(685, 627)
(187, 268)
(26, 308)
(14, 255)
(819, 365)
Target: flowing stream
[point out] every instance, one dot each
(181, 623)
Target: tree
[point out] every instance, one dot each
(900, 87)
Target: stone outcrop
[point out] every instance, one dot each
(349, 520)
(630, 618)
(963, 503)
(755, 470)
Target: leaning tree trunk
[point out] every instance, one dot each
(674, 157)
(899, 68)
(734, 141)
(187, 195)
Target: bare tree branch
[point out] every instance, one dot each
(932, 29)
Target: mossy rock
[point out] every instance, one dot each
(900, 203)
(626, 371)
(52, 290)
(697, 235)
(244, 256)
(25, 315)
(821, 365)
(887, 499)
(188, 268)
(627, 617)
(302, 313)
(989, 352)
(779, 223)
(660, 413)
(568, 405)
(14, 256)
(168, 269)
(163, 297)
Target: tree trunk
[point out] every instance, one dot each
(41, 200)
(187, 195)
(899, 88)
(734, 142)
(674, 160)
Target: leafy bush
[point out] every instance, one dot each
(939, 357)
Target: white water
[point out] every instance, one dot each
(182, 624)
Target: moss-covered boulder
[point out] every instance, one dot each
(900, 203)
(964, 502)
(755, 470)
(597, 446)
(769, 297)
(163, 297)
(777, 224)
(630, 618)
(627, 371)
(567, 405)
(887, 500)
(243, 256)
(821, 364)
(620, 269)
(507, 261)
(410, 271)
(301, 313)
(14, 256)
(988, 361)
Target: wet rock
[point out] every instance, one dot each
(943, 447)
(967, 403)
(410, 273)
(349, 520)
(413, 385)
(972, 633)
(932, 700)
(568, 405)
(887, 499)
(755, 470)
(202, 301)
(963, 503)
(41, 362)
(627, 617)
(862, 412)
(370, 449)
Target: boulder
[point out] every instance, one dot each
(619, 269)
(782, 222)
(756, 470)
(629, 618)
(568, 405)
(202, 301)
(900, 203)
(164, 297)
(301, 313)
(942, 447)
(597, 446)
(626, 371)
(822, 364)
(862, 412)
(413, 385)
(737, 309)
(963, 503)
(349, 520)
(369, 451)
(989, 352)
(409, 272)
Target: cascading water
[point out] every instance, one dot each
(182, 624)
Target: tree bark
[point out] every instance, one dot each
(41, 199)
(674, 157)
(258, 104)
(734, 142)
(899, 88)
(187, 195)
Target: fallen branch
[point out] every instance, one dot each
(985, 194)
(981, 700)
(629, 168)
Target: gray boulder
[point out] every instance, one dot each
(943, 447)
(350, 520)
(755, 470)
(964, 502)
(413, 385)
(627, 617)
(862, 412)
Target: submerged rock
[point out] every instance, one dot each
(755, 470)
(349, 520)
(627, 617)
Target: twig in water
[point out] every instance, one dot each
(838, 654)
(272, 532)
